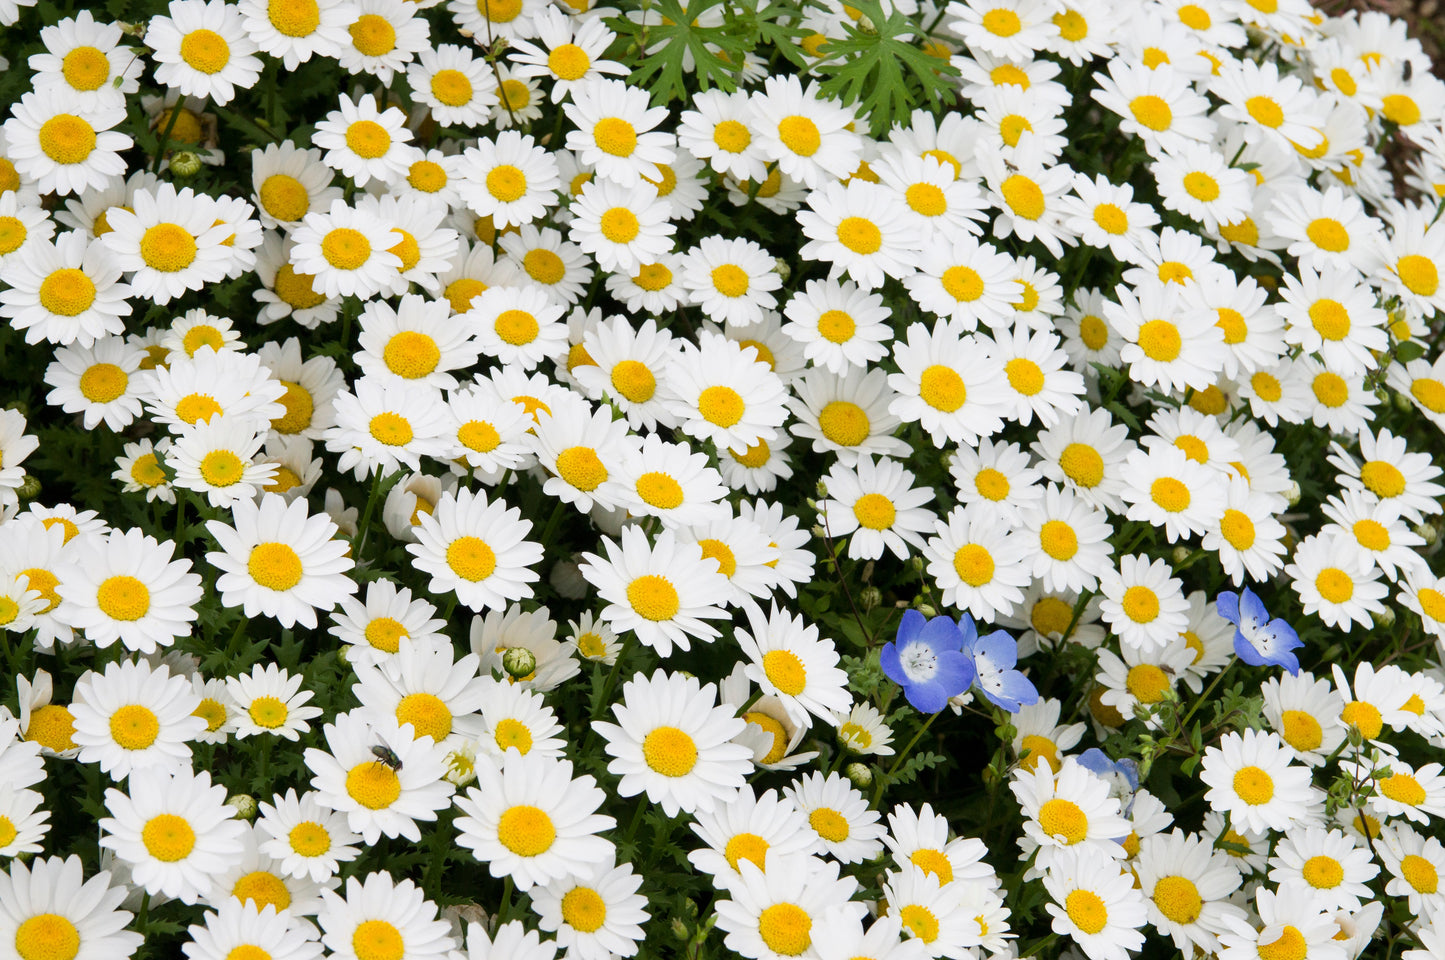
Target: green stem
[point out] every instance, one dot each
(166, 133)
(362, 531)
(636, 822)
(505, 908)
(902, 756)
(1199, 700)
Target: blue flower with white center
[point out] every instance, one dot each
(1258, 640)
(926, 659)
(993, 656)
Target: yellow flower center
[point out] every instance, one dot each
(942, 388)
(1002, 22)
(1093, 331)
(123, 598)
(222, 468)
(620, 225)
(1086, 910)
(471, 558)
(659, 490)
(1334, 585)
(275, 566)
(1420, 873)
(1023, 197)
(973, 564)
(1253, 785)
(510, 734)
(1289, 945)
(1147, 683)
(309, 838)
(669, 751)
(615, 136)
(53, 727)
(134, 727)
(581, 467)
(860, 235)
(1170, 494)
(1323, 873)
(385, 633)
(167, 247)
(1160, 340)
(786, 671)
(368, 140)
(294, 18)
(568, 62)
(103, 383)
(920, 922)
(584, 909)
(786, 929)
(1178, 899)
(731, 136)
(205, 51)
(829, 824)
(377, 940)
(47, 936)
(168, 837)
(391, 429)
(653, 597)
(844, 423)
(1063, 818)
(1201, 186)
(1402, 788)
(1058, 540)
(373, 784)
(722, 554)
(427, 713)
(800, 135)
(746, 846)
(1265, 111)
(1382, 479)
(85, 68)
(1152, 112)
(874, 511)
(265, 888)
(66, 138)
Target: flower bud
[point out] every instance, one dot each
(1384, 617)
(461, 766)
(870, 597)
(1402, 402)
(1292, 493)
(679, 930)
(1428, 532)
(859, 775)
(822, 489)
(926, 609)
(519, 662)
(185, 164)
(29, 487)
(1180, 554)
(782, 269)
(818, 531)
(866, 25)
(245, 806)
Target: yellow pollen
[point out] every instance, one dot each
(471, 558)
(1178, 899)
(786, 929)
(391, 429)
(205, 51)
(1063, 818)
(1086, 910)
(427, 713)
(123, 598)
(1170, 495)
(620, 225)
(275, 566)
(844, 423)
(800, 135)
(1023, 197)
(1152, 112)
(860, 235)
(53, 727)
(134, 727)
(1253, 785)
(372, 784)
(1147, 683)
(653, 597)
(669, 751)
(1058, 540)
(831, 825)
(973, 564)
(942, 388)
(368, 139)
(345, 248)
(874, 511)
(168, 838)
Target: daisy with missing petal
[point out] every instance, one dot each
(219, 458)
(527, 818)
(63, 148)
(1336, 581)
(203, 50)
(596, 914)
(1392, 473)
(789, 660)
(290, 182)
(346, 251)
(839, 816)
(277, 561)
(1186, 886)
(1143, 605)
(1096, 905)
(270, 700)
(364, 143)
(383, 426)
(133, 717)
(615, 135)
(476, 549)
(510, 179)
(859, 230)
(570, 52)
(977, 563)
(742, 553)
(947, 383)
(49, 909)
(1072, 538)
(1299, 708)
(173, 242)
(838, 324)
(96, 382)
(125, 586)
(622, 227)
(378, 917)
(773, 914)
(1334, 314)
(305, 838)
(661, 592)
(1072, 811)
(66, 292)
(629, 369)
(518, 326)
(295, 30)
(848, 415)
(1168, 342)
(174, 831)
(1251, 777)
(878, 505)
(1165, 488)
(674, 742)
(377, 798)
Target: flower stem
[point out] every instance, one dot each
(902, 756)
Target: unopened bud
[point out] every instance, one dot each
(1292, 493)
(925, 608)
(1384, 617)
(680, 931)
(818, 531)
(782, 269)
(822, 489)
(29, 487)
(461, 766)
(1402, 402)
(519, 662)
(1427, 532)
(185, 164)
(342, 657)
(859, 775)
(245, 806)
(870, 597)
(1357, 737)
(917, 564)
(865, 25)
(1180, 554)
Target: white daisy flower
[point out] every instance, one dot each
(135, 718)
(838, 814)
(126, 586)
(48, 908)
(220, 458)
(305, 838)
(203, 49)
(62, 147)
(379, 915)
(365, 143)
(476, 549)
(1251, 777)
(292, 566)
(878, 505)
(383, 426)
(772, 915)
(173, 242)
(66, 292)
(615, 135)
(174, 830)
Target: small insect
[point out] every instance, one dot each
(1408, 73)
(386, 755)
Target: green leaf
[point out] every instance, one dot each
(883, 71)
(665, 48)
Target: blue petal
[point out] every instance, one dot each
(892, 666)
(1227, 603)
(1252, 614)
(909, 625)
(956, 672)
(1096, 761)
(968, 629)
(1246, 651)
(927, 697)
(999, 648)
(1015, 688)
(1280, 635)
(941, 634)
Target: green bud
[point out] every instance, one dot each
(1180, 554)
(927, 609)
(245, 806)
(680, 931)
(859, 774)
(870, 597)
(1402, 402)
(185, 164)
(1384, 617)
(818, 531)
(519, 662)
(1292, 493)
(781, 268)
(1428, 532)
(29, 487)
(1357, 737)
(822, 489)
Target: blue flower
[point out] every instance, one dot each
(927, 661)
(1258, 640)
(993, 656)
